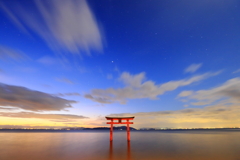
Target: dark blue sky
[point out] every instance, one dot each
(173, 62)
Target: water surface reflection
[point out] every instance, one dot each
(128, 150)
(143, 146)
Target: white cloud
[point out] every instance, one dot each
(193, 68)
(65, 25)
(136, 89)
(132, 80)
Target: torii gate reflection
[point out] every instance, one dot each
(129, 157)
(119, 122)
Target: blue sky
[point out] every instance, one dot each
(71, 63)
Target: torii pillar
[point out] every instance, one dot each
(119, 122)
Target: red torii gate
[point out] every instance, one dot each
(119, 122)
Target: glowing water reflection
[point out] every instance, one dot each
(185, 145)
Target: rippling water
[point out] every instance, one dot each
(170, 145)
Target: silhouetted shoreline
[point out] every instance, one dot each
(81, 129)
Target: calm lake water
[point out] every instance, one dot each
(86, 145)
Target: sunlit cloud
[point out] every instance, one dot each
(211, 116)
(64, 120)
(60, 117)
(137, 88)
(185, 93)
(36, 126)
(221, 109)
(65, 25)
(193, 68)
(24, 98)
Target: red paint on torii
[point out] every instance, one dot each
(120, 122)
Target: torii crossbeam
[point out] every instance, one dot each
(119, 119)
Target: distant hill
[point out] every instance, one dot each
(108, 128)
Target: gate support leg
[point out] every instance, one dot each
(111, 131)
(128, 132)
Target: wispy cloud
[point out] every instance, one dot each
(65, 25)
(47, 60)
(68, 94)
(136, 88)
(65, 80)
(230, 90)
(8, 108)
(237, 71)
(36, 126)
(193, 68)
(7, 53)
(61, 117)
(24, 98)
(64, 120)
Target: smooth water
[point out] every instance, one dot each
(170, 145)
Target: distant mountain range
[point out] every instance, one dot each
(102, 128)
(116, 128)
(67, 129)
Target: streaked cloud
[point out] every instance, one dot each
(64, 120)
(65, 80)
(8, 108)
(13, 17)
(60, 117)
(228, 92)
(7, 53)
(68, 94)
(36, 126)
(136, 88)
(65, 25)
(193, 68)
(47, 60)
(27, 69)
(237, 71)
(27, 99)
